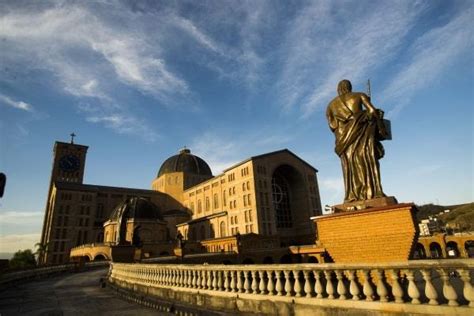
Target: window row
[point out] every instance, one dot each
(244, 171)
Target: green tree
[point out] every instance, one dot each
(41, 250)
(23, 259)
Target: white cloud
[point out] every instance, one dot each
(431, 53)
(223, 149)
(15, 104)
(126, 124)
(15, 242)
(325, 45)
(23, 218)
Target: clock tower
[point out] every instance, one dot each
(69, 161)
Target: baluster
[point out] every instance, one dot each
(198, 281)
(178, 278)
(254, 285)
(174, 279)
(279, 285)
(246, 282)
(209, 280)
(341, 288)
(297, 286)
(226, 281)
(270, 283)
(430, 290)
(233, 281)
(367, 288)
(468, 289)
(262, 286)
(381, 288)
(203, 279)
(193, 278)
(160, 276)
(185, 278)
(219, 282)
(329, 285)
(308, 286)
(448, 290)
(413, 291)
(165, 277)
(318, 285)
(214, 280)
(353, 286)
(397, 290)
(288, 285)
(240, 287)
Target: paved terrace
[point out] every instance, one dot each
(67, 294)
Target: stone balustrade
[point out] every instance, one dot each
(430, 286)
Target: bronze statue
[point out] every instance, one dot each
(358, 134)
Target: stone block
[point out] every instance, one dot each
(383, 234)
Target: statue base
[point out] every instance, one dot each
(383, 234)
(122, 253)
(362, 205)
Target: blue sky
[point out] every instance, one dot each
(137, 81)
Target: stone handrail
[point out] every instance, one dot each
(45, 271)
(430, 284)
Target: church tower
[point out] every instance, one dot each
(69, 161)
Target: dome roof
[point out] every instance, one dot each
(136, 208)
(185, 162)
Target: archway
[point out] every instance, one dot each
(435, 250)
(248, 261)
(289, 196)
(469, 246)
(419, 252)
(452, 250)
(100, 257)
(285, 259)
(313, 259)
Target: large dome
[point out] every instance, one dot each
(137, 208)
(185, 162)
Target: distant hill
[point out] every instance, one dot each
(424, 211)
(460, 217)
(6, 255)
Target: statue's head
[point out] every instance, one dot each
(344, 87)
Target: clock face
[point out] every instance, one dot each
(69, 163)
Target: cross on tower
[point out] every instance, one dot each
(72, 137)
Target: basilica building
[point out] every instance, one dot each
(269, 197)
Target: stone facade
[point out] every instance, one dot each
(271, 195)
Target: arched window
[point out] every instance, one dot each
(281, 201)
(222, 229)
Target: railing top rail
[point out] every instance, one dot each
(422, 264)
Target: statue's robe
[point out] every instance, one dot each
(358, 146)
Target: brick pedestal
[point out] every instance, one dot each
(383, 234)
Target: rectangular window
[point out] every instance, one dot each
(208, 204)
(248, 199)
(216, 201)
(66, 220)
(199, 206)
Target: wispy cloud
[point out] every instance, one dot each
(324, 45)
(126, 125)
(14, 242)
(15, 104)
(430, 54)
(224, 149)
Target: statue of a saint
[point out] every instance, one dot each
(358, 134)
